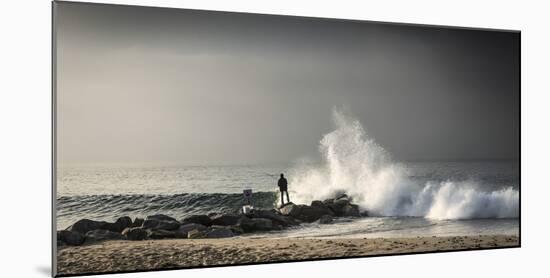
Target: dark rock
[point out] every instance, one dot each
(274, 216)
(198, 219)
(325, 219)
(183, 230)
(168, 225)
(69, 237)
(160, 217)
(351, 210)
(343, 197)
(102, 235)
(135, 233)
(236, 229)
(255, 224)
(305, 213)
(218, 232)
(137, 222)
(194, 234)
(123, 223)
(161, 234)
(338, 206)
(319, 204)
(83, 226)
(119, 225)
(150, 224)
(160, 224)
(311, 214)
(225, 220)
(364, 213)
(290, 209)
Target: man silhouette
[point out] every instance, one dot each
(283, 187)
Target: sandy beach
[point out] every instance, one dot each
(112, 256)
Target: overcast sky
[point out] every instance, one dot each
(151, 85)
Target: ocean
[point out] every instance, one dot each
(404, 200)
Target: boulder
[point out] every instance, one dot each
(236, 229)
(325, 219)
(195, 234)
(135, 233)
(102, 235)
(83, 226)
(290, 209)
(183, 230)
(218, 232)
(274, 216)
(343, 197)
(137, 222)
(338, 206)
(364, 213)
(351, 210)
(250, 225)
(160, 217)
(119, 225)
(318, 204)
(161, 234)
(305, 213)
(69, 237)
(168, 225)
(150, 224)
(311, 214)
(225, 220)
(198, 219)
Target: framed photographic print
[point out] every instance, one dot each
(190, 138)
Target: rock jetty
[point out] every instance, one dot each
(160, 226)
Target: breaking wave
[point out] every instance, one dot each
(356, 165)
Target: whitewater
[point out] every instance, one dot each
(356, 165)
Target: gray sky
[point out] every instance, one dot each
(152, 85)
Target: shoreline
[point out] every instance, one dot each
(124, 256)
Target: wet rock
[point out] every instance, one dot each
(161, 234)
(168, 225)
(119, 225)
(135, 233)
(351, 210)
(183, 230)
(225, 220)
(274, 216)
(83, 226)
(70, 237)
(304, 212)
(290, 209)
(337, 206)
(195, 234)
(236, 229)
(101, 235)
(319, 204)
(198, 219)
(250, 225)
(343, 197)
(137, 222)
(218, 232)
(160, 217)
(326, 219)
(311, 214)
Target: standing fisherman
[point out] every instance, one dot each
(283, 187)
